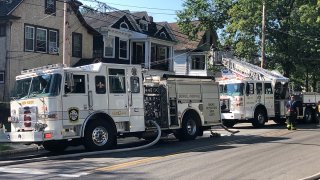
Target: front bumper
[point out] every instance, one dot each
(25, 137)
(235, 116)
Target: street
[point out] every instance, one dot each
(268, 153)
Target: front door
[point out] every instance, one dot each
(75, 101)
(269, 99)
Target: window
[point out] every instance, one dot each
(250, 88)
(29, 38)
(1, 77)
(143, 25)
(79, 84)
(53, 42)
(268, 88)
(163, 35)
(123, 49)
(124, 25)
(198, 62)
(41, 40)
(135, 84)
(100, 84)
(50, 6)
(109, 47)
(162, 53)
(76, 45)
(259, 88)
(117, 81)
(2, 30)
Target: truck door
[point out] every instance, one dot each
(135, 99)
(75, 100)
(118, 94)
(269, 99)
(250, 99)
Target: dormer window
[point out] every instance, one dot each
(124, 25)
(50, 7)
(163, 35)
(143, 25)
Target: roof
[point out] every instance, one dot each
(97, 19)
(183, 42)
(6, 7)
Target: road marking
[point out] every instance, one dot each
(151, 159)
(23, 171)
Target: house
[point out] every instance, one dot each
(191, 56)
(131, 38)
(31, 35)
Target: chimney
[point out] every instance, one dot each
(150, 18)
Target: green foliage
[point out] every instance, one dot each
(292, 32)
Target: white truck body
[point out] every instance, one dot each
(94, 104)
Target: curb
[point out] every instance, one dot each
(16, 151)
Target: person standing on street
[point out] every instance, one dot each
(292, 112)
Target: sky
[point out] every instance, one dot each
(160, 10)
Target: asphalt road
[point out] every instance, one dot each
(269, 153)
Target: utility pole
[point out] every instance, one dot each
(263, 29)
(66, 34)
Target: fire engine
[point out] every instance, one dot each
(93, 105)
(249, 93)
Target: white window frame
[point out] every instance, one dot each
(113, 46)
(46, 37)
(127, 54)
(163, 34)
(124, 24)
(55, 44)
(32, 38)
(144, 24)
(192, 61)
(165, 52)
(2, 80)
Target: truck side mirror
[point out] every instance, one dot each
(247, 89)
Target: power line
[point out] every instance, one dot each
(161, 9)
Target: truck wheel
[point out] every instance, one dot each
(308, 115)
(228, 123)
(260, 118)
(55, 146)
(99, 135)
(189, 129)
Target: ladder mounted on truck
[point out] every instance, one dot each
(248, 70)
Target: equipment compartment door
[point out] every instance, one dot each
(135, 99)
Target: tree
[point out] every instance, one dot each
(292, 30)
(210, 14)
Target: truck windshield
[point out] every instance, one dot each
(38, 86)
(235, 89)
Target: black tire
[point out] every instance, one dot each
(309, 115)
(280, 121)
(228, 123)
(99, 135)
(55, 146)
(260, 118)
(190, 128)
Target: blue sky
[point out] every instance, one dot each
(161, 10)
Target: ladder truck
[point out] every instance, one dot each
(93, 105)
(251, 93)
